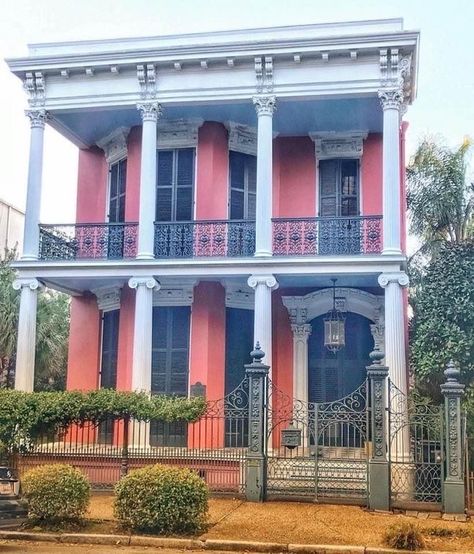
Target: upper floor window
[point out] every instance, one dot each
(175, 184)
(338, 188)
(243, 181)
(117, 189)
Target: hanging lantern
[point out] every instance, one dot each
(334, 325)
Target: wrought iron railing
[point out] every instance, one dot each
(327, 236)
(192, 239)
(112, 241)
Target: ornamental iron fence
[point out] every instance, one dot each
(194, 239)
(376, 446)
(109, 241)
(327, 236)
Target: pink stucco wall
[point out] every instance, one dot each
(132, 195)
(125, 340)
(207, 351)
(371, 175)
(84, 340)
(212, 175)
(91, 186)
(294, 177)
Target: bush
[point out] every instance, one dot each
(404, 536)
(162, 500)
(55, 493)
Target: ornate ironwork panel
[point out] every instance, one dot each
(327, 236)
(331, 460)
(191, 239)
(415, 449)
(88, 241)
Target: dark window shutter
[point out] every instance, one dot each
(243, 184)
(338, 188)
(175, 184)
(328, 170)
(110, 333)
(117, 190)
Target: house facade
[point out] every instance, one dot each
(233, 187)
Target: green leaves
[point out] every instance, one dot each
(56, 492)
(162, 499)
(24, 417)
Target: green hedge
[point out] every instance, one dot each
(26, 416)
(56, 493)
(162, 500)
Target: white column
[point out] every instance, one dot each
(262, 329)
(300, 360)
(395, 348)
(26, 340)
(150, 112)
(391, 100)
(33, 193)
(142, 331)
(265, 106)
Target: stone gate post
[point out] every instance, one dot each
(257, 374)
(379, 470)
(453, 390)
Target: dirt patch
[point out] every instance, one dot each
(296, 522)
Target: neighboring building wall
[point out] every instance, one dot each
(11, 228)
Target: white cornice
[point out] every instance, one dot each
(242, 138)
(108, 298)
(174, 294)
(238, 296)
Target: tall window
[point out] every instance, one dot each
(118, 179)
(175, 184)
(243, 189)
(108, 365)
(170, 367)
(338, 188)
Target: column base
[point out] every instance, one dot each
(145, 256)
(255, 480)
(391, 252)
(379, 486)
(453, 497)
(29, 258)
(263, 254)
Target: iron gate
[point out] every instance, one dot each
(330, 460)
(415, 449)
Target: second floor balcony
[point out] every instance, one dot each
(311, 236)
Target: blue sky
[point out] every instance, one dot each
(445, 103)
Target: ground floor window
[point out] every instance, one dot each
(239, 340)
(170, 367)
(108, 365)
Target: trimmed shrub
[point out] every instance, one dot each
(56, 493)
(162, 500)
(404, 536)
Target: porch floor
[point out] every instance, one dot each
(303, 523)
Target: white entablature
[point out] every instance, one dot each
(306, 61)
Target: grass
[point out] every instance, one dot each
(305, 523)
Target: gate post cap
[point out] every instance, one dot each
(258, 354)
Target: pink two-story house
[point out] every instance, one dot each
(233, 187)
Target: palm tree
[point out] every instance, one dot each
(440, 195)
(52, 331)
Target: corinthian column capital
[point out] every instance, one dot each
(267, 280)
(301, 332)
(37, 116)
(150, 111)
(399, 277)
(391, 97)
(264, 105)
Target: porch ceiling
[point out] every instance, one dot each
(292, 118)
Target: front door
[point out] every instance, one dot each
(335, 375)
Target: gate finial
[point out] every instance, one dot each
(258, 354)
